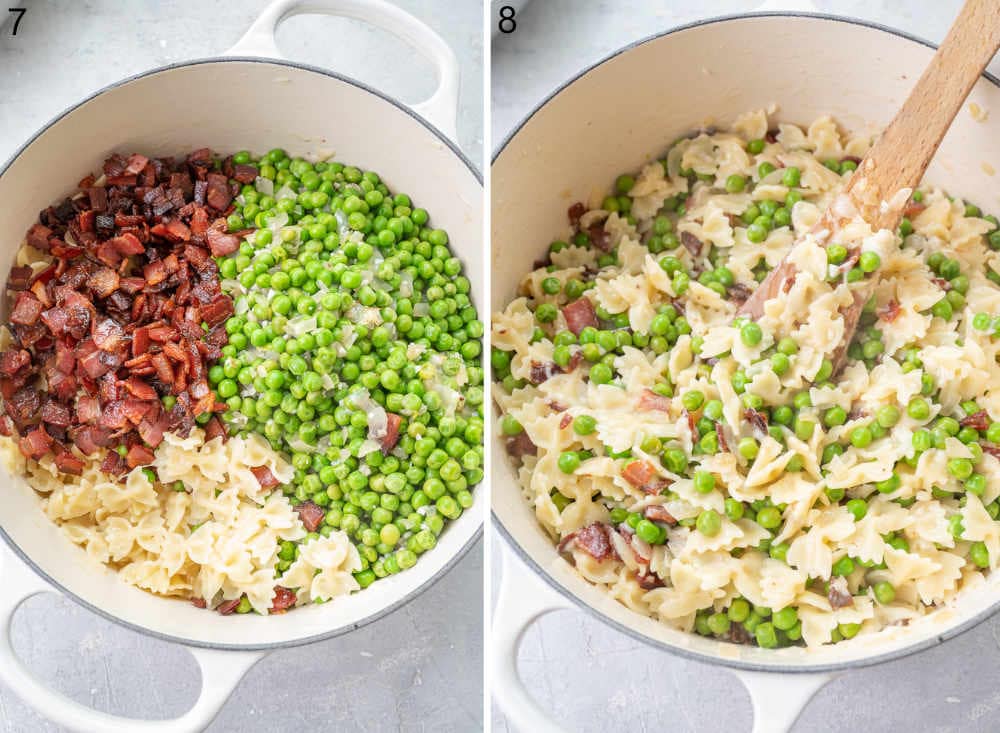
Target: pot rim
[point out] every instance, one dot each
(379, 613)
(523, 555)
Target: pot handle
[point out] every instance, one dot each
(777, 699)
(441, 108)
(220, 671)
(523, 598)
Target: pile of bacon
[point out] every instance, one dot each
(129, 311)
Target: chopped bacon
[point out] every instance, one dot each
(594, 540)
(574, 213)
(199, 603)
(543, 372)
(103, 282)
(35, 444)
(659, 513)
(692, 424)
(214, 428)
(913, 209)
(19, 278)
(992, 449)
(27, 309)
(565, 421)
(265, 478)
(757, 421)
(55, 413)
(579, 314)
(38, 236)
(720, 433)
(738, 293)
(13, 360)
(599, 237)
(68, 463)
(977, 420)
(691, 243)
(650, 400)
(890, 311)
(139, 455)
(643, 476)
(283, 599)
(391, 437)
(116, 319)
(520, 445)
(311, 515)
(220, 243)
(228, 607)
(245, 173)
(839, 594)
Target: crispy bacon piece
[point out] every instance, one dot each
(116, 320)
(311, 515)
(265, 478)
(68, 463)
(659, 513)
(228, 607)
(245, 173)
(575, 212)
(565, 421)
(38, 236)
(913, 209)
(520, 445)
(27, 309)
(283, 599)
(757, 421)
(13, 360)
(214, 428)
(977, 420)
(19, 278)
(642, 475)
(650, 400)
(691, 243)
(35, 444)
(738, 293)
(579, 314)
(720, 433)
(220, 243)
(139, 455)
(543, 372)
(391, 437)
(199, 603)
(889, 312)
(839, 594)
(592, 539)
(599, 237)
(991, 448)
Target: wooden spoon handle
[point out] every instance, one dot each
(901, 155)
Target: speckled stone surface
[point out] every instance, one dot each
(593, 678)
(415, 670)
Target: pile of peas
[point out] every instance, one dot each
(741, 620)
(349, 306)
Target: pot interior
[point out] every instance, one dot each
(229, 105)
(624, 113)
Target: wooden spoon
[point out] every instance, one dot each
(901, 155)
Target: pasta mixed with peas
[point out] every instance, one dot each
(717, 472)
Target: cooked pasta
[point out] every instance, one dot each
(199, 525)
(721, 473)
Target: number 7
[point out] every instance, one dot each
(20, 14)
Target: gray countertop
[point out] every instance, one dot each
(417, 669)
(593, 678)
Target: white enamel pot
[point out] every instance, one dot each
(614, 117)
(241, 101)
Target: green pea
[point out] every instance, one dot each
(709, 523)
(884, 592)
